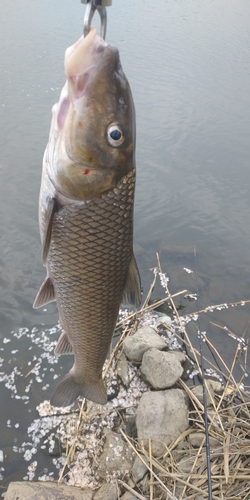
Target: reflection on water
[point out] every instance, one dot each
(188, 66)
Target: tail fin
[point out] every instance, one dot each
(68, 390)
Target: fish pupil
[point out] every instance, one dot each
(115, 135)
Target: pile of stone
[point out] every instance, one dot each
(161, 416)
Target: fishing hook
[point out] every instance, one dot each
(91, 7)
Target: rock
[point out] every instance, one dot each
(217, 417)
(108, 491)
(144, 485)
(116, 456)
(46, 491)
(129, 496)
(160, 369)
(161, 416)
(131, 483)
(145, 338)
(186, 464)
(198, 392)
(122, 370)
(183, 445)
(139, 469)
(131, 426)
(214, 442)
(216, 385)
(164, 320)
(196, 439)
(179, 355)
(188, 367)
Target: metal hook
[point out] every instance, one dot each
(92, 6)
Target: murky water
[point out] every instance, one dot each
(189, 68)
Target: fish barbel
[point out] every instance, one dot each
(86, 213)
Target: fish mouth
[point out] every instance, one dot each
(81, 57)
(81, 61)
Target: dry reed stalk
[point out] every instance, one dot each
(71, 451)
(212, 308)
(148, 467)
(175, 476)
(146, 301)
(137, 314)
(151, 486)
(34, 368)
(227, 422)
(127, 487)
(190, 476)
(183, 329)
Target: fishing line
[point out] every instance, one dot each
(209, 478)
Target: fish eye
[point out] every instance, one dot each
(115, 135)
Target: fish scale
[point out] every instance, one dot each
(107, 251)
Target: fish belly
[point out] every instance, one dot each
(90, 253)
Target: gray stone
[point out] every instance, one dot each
(216, 385)
(109, 491)
(116, 456)
(145, 338)
(129, 496)
(188, 368)
(139, 469)
(160, 369)
(164, 320)
(131, 426)
(198, 392)
(179, 355)
(197, 438)
(131, 483)
(186, 464)
(144, 485)
(214, 442)
(183, 445)
(122, 370)
(161, 416)
(46, 491)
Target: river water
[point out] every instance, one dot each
(188, 65)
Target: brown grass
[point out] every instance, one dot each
(181, 472)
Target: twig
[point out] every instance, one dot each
(149, 308)
(34, 368)
(148, 467)
(211, 308)
(131, 490)
(72, 447)
(151, 486)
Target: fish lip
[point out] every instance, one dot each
(74, 62)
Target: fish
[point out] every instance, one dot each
(86, 213)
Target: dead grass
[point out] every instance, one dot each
(181, 473)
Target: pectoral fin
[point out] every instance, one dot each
(51, 208)
(46, 294)
(132, 291)
(63, 345)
